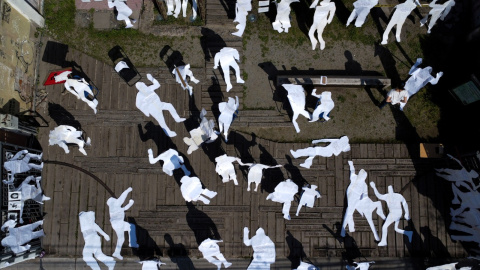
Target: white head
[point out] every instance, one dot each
(362, 175)
(260, 231)
(140, 86)
(390, 189)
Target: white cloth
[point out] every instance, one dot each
(438, 11)
(284, 193)
(225, 168)
(124, 12)
(326, 105)
(171, 161)
(296, 97)
(361, 9)
(263, 249)
(335, 147)
(78, 87)
(241, 11)
(18, 237)
(63, 134)
(117, 219)
(121, 65)
(282, 20)
(151, 264)
(323, 15)
(192, 190)
(20, 163)
(184, 72)
(309, 195)
(398, 19)
(397, 96)
(205, 133)
(211, 252)
(228, 57)
(227, 112)
(255, 173)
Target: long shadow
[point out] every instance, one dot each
(294, 174)
(352, 251)
(201, 224)
(193, 121)
(213, 150)
(147, 248)
(156, 133)
(211, 43)
(304, 15)
(352, 67)
(342, 12)
(388, 63)
(229, 6)
(278, 93)
(435, 248)
(171, 58)
(297, 254)
(62, 117)
(216, 95)
(271, 177)
(178, 254)
(243, 146)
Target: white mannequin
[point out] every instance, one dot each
(227, 112)
(361, 9)
(255, 173)
(192, 190)
(335, 147)
(123, 10)
(225, 168)
(150, 104)
(263, 249)
(64, 134)
(438, 11)
(227, 58)
(117, 219)
(326, 105)
(284, 193)
(184, 72)
(282, 21)
(241, 11)
(309, 195)
(18, 237)
(398, 18)
(151, 264)
(323, 15)
(79, 88)
(31, 192)
(205, 133)
(210, 249)
(296, 97)
(171, 161)
(194, 8)
(20, 163)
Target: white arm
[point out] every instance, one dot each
(247, 241)
(314, 93)
(100, 231)
(379, 196)
(437, 78)
(415, 66)
(405, 207)
(155, 85)
(130, 204)
(216, 59)
(331, 12)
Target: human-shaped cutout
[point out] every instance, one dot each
(282, 20)
(117, 219)
(93, 242)
(361, 9)
(63, 135)
(324, 105)
(31, 192)
(241, 11)
(228, 57)
(255, 173)
(228, 111)
(150, 104)
(18, 238)
(153, 264)
(309, 195)
(194, 8)
(394, 201)
(263, 249)
(335, 147)
(438, 11)
(398, 18)
(171, 161)
(360, 266)
(181, 74)
(124, 12)
(20, 163)
(225, 168)
(306, 266)
(449, 266)
(211, 252)
(323, 15)
(205, 133)
(357, 199)
(192, 190)
(79, 88)
(419, 78)
(296, 97)
(284, 193)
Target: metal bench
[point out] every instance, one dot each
(333, 81)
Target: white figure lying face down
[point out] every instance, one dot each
(205, 133)
(296, 97)
(171, 161)
(228, 111)
(323, 15)
(181, 77)
(309, 195)
(225, 168)
(263, 249)
(31, 192)
(398, 18)
(255, 173)
(241, 11)
(211, 252)
(228, 57)
(20, 163)
(123, 10)
(151, 264)
(18, 237)
(282, 21)
(324, 105)
(438, 11)
(284, 193)
(192, 190)
(79, 88)
(117, 217)
(335, 147)
(361, 9)
(63, 135)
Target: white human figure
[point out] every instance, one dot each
(418, 79)
(324, 105)
(123, 10)
(360, 266)
(335, 147)
(93, 243)
(151, 264)
(117, 219)
(192, 190)
(79, 88)
(323, 15)
(306, 266)
(263, 249)
(228, 57)
(18, 237)
(398, 18)
(205, 133)
(282, 20)
(296, 97)
(394, 201)
(149, 103)
(228, 111)
(194, 8)
(31, 192)
(20, 163)
(171, 161)
(225, 168)
(63, 134)
(357, 199)
(361, 9)
(284, 193)
(438, 11)
(255, 173)
(309, 195)
(449, 266)
(241, 11)
(211, 252)
(184, 72)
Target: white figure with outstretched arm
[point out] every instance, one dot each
(296, 97)
(79, 88)
(228, 111)
(438, 11)
(63, 135)
(282, 20)
(361, 9)
(263, 249)
(228, 57)
(31, 192)
(309, 195)
(323, 15)
(398, 18)
(255, 173)
(335, 147)
(18, 238)
(181, 74)
(284, 193)
(20, 163)
(171, 161)
(241, 11)
(211, 252)
(225, 168)
(192, 190)
(324, 105)
(117, 219)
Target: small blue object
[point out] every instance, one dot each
(133, 236)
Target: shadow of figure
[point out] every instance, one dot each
(388, 63)
(349, 244)
(171, 58)
(352, 67)
(229, 6)
(178, 254)
(342, 12)
(211, 43)
(271, 177)
(297, 254)
(306, 20)
(294, 173)
(242, 146)
(147, 248)
(435, 249)
(193, 121)
(201, 224)
(214, 149)
(278, 93)
(61, 116)
(216, 95)
(156, 134)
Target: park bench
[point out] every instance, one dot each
(333, 81)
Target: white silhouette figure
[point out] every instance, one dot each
(282, 21)
(357, 199)
(150, 104)
(309, 195)
(263, 249)
(361, 9)
(151, 264)
(335, 147)
(211, 252)
(394, 201)
(323, 15)
(18, 237)
(63, 135)
(79, 88)
(123, 10)
(438, 11)
(225, 168)
(184, 72)
(20, 163)
(205, 133)
(255, 173)
(194, 8)
(228, 111)
(284, 193)
(449, 266)
(93, 243)
(117, 219)
(296, 97)
(398, 18)
(324, 105)
(31, 192)
(192, 190)
(241, 11)
(171, 161)
(228, 57)
(306, 266)
(360, 266)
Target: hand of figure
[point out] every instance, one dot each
(107, 238)
(407, 217)
(246, 230)
(372, 184)
(215, 67)
(149, 76)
